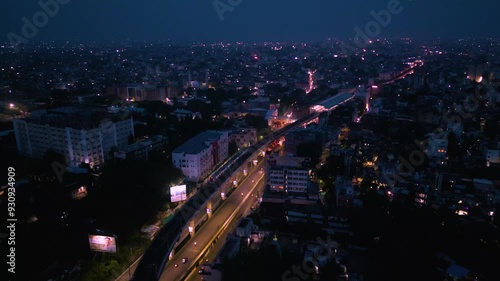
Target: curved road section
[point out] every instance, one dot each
(155, 258)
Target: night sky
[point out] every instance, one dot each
(252, 20)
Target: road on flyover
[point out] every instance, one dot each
(222, 217)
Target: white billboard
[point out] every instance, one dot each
(100, 243)
(178, 193)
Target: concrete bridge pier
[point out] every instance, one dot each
(192, 228)
(209, 209)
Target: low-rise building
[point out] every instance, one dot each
(244, 228)
(183, 114)
(211, 272)
(230, 249)
(493, 155)
(244, 137)
(296, 137)
(317, 253)
(142, 148)
(288, 174)
(345, 191)
(437, 145)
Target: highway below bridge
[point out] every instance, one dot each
(212, 210)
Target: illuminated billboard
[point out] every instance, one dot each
(105, 244)
(178, 193)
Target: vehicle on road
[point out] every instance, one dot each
(185, 260)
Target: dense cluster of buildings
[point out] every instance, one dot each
(409, 131)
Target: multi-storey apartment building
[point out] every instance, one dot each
(201, 154)
(288, 174)
(81, 135)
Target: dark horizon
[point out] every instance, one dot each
(249, 21)
(208, 42)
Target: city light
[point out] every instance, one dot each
(311, 81)
(149, 111)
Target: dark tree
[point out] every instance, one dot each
(257, 122)
(310, 149)
(85, 166)
(233, 147)
(491, 128)
(60, 95)
(453, 146)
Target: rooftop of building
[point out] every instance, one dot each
(143, 143)
(288, 161)
(244, 222)
(200, 142)
(77, 117)
(243, 130)
(231, 244)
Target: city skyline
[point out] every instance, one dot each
(250, 140)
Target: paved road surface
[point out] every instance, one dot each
(212, 253)
(219, 219)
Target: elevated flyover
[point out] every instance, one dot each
(199, 208)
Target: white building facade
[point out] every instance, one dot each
(244, 137)
(288, 174)
(200, 155)
(87, 144)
